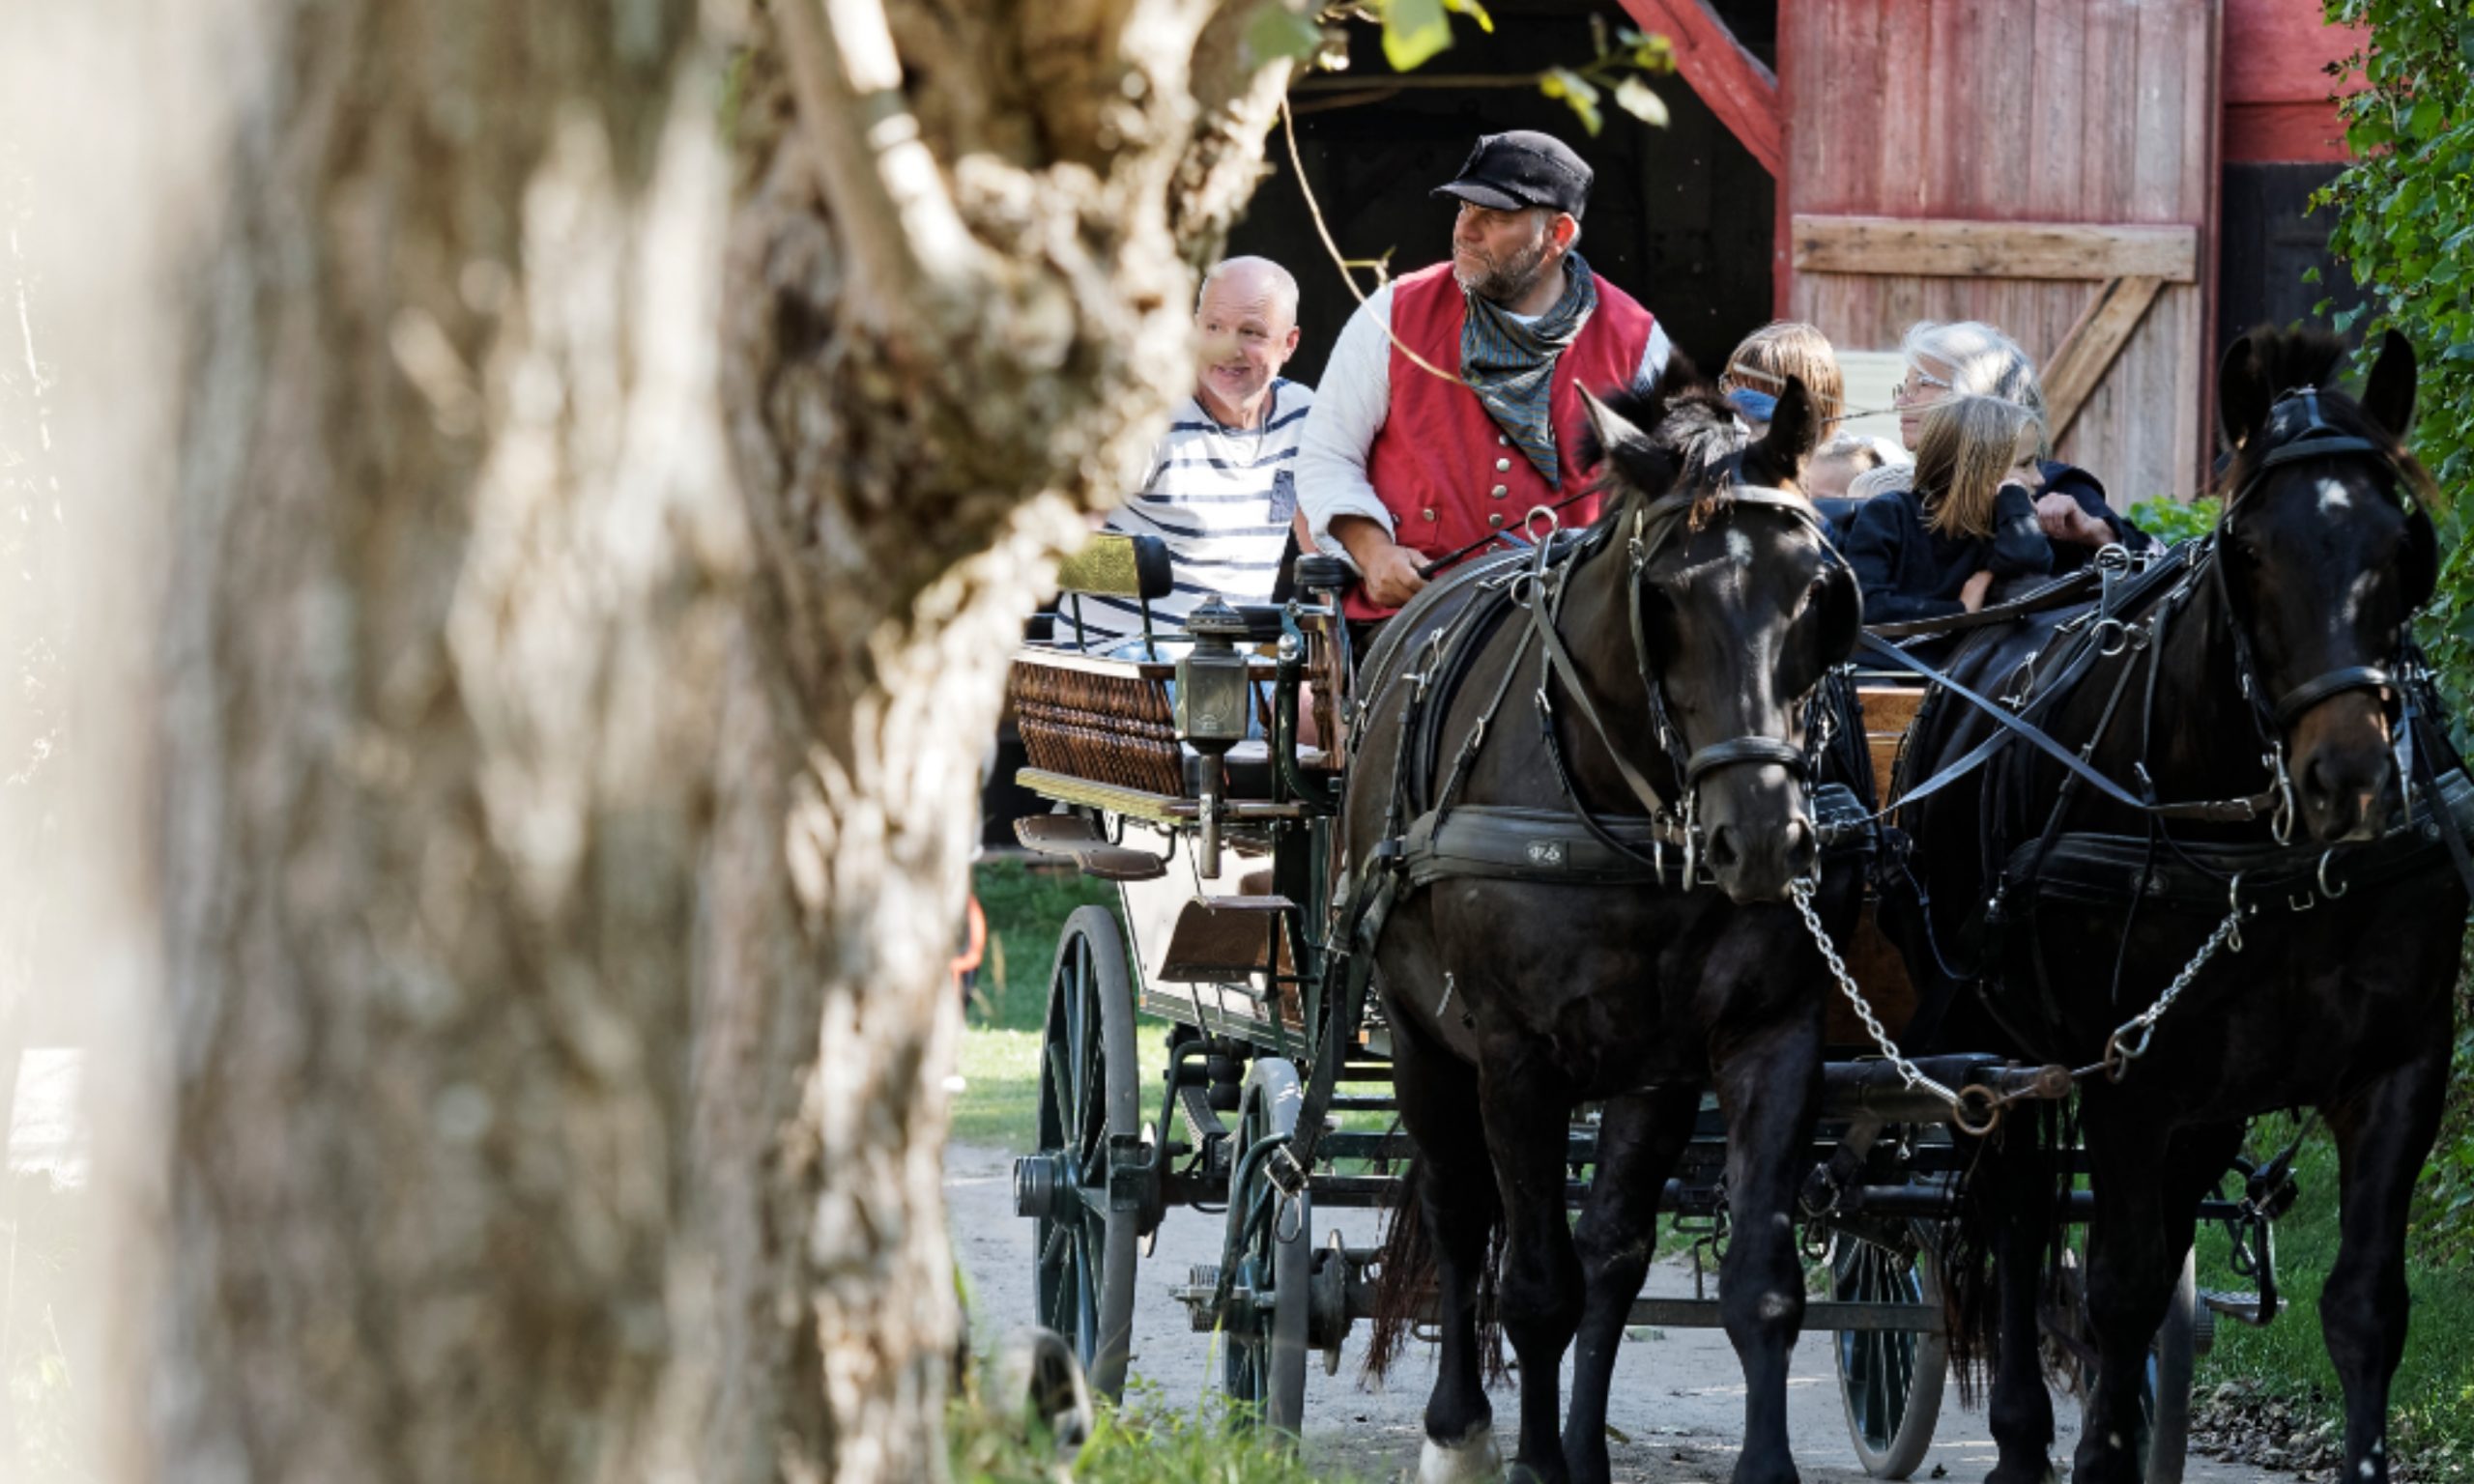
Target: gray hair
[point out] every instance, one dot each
(1983, 362)
(1284, 286)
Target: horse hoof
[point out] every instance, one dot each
(1473, 1458)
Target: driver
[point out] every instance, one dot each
(1451, 405)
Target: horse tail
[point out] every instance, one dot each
(2016, 1186)
(1406, 1281)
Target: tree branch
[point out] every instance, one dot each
(908, 247)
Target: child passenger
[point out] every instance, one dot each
(1756, 374)
(1986, 502)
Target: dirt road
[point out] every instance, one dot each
(1678, 1396)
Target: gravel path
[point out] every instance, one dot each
(1678, 1396)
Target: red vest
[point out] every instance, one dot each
(1443, 468)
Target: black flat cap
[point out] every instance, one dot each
(1522, 168)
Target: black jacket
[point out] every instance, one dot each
(1910, 572)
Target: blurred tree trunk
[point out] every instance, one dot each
(571, 717)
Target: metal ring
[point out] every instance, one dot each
(2119, 1053)
(2331, 893)
(1529, 523)
(1980, 1096)
(1290, 1209)
(2111, 636)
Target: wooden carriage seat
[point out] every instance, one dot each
(1109, 720)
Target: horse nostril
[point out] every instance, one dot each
(1722, 847)
(1801, 849)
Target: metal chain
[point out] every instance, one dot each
(2120, 1052)
(1911, 1075)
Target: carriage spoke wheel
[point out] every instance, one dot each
(1264, 1339)
(1088, 1090)
(1890, 1379)
(2163, 1384)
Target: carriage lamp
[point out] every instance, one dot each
(1214, 701)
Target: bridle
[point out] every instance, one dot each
(2274, 716)
(1653, 526)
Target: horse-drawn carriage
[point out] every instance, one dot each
(1225, 783)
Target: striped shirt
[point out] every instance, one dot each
(1222, 499)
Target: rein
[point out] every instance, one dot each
(2105, 632)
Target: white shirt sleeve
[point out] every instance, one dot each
(1350, 405)
(1653, 358)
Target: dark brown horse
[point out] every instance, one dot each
(2259, 697)
(1658, 677)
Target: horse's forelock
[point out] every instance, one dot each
(2294, 360)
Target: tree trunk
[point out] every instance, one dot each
(570, 726)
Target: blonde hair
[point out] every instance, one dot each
(1785, 347)
(1988, 422)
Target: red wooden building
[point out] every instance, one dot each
(2119, 183)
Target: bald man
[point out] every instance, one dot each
(1221, 491)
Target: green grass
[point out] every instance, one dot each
(999, 1104)
(1147, 1441)
(2431, 1406)
(1026, 907)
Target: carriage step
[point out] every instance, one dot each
(2243, 1307)
(1076, 838)
(1218, 939)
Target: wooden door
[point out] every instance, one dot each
(2047, 166)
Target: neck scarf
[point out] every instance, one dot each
(1511, 365)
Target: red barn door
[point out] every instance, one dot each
(2047, 166)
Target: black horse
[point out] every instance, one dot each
(2253, 727)
(1561, 745)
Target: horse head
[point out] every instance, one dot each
(2326, 551)
(1741, 608)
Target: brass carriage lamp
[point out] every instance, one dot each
(1214, 702)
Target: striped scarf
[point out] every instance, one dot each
(1511, 365)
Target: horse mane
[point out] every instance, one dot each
(2310, 359)
(1691, 431)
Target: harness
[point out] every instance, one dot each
(2133, 615)
(1427, 838)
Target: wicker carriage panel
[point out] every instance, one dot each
(1108, 726)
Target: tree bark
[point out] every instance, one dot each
(571, 715)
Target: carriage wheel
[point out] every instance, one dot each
(1084, 1251)
(1890, 1379)
(1265, 1341)
(2166, 1400)
(2165, 1387)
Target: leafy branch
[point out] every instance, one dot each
(1415, 31)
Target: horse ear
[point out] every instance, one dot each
(2243, 395)
(1795, 429)
(2388, 397)
(1611, 428)
(1842, 612)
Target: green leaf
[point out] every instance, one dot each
(1633, 97)
(1278, 32)
(1475, 12)
(2425, 120)
(1577, 91)
(1413, 32)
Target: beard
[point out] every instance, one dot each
(1502, 280)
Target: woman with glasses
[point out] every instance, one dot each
(1985, 501)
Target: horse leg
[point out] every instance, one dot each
(1438, 1104)
(1768, 1085)
(1639, 1138)
(1529, 1112)
(2383, 1135)
(2147, 1210)
(2019, 1408)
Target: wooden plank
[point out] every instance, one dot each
(2089, 351)
(1738, 86)
(2054, 143)
(1950, 249)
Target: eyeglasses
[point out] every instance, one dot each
(1915, 382)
